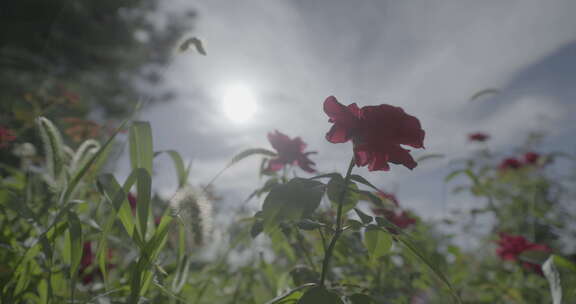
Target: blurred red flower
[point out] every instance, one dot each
(401, 219)
(376, 132)
(388, 196)
(531, 158)
(510, 163)
(478, 136)
(511, 246)
(289, 152)
(132, 201)
(87, 270)
(6, 136)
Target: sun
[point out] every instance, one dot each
(239, 103)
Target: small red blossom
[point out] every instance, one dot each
(377, 133)
(510, 163)
(289, 152)
(388, 196)
(132, 201)
(87, 270)
(511, 246)
(478, 136)
(531, 158)
(6, 137)
(401, 219)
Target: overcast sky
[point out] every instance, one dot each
(428, 57)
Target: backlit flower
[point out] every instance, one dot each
(401, 219)
(478, 136)
(289, 152)
(531, 158)
(377, 133)
(388, 196)
(510, 163)
(511, 246)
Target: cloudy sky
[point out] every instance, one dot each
(429, 57)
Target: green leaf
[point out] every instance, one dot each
(288, 294)
(117, 197)
(483, 93)
(417, 252)
(365, 218)
(320, 295)
(363, 181)
(453, 174)
(553, 276)
(377, 242)
(335, 189)
(144, 186)
(330, 175)
(141, 147)
(249, 152)
(197, 43)
(291, 201)
(564, 263)
(76, 247)
(429, 156)
(181, 168)
(308, 224)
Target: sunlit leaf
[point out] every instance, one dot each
(141, 146)
(181, 168)
(280, 299)
(377, 242)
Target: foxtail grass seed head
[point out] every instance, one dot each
(193, 209)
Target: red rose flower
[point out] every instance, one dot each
(478, 136)
(376, 132)
(510, 163)
(511, 246)
(290, 152)
(531, 158)
(388, 196)
(6, 137)
(401, 219)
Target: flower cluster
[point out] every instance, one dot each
(377, 133)
(478, 136)
(289, 152)
(528, 159)
(88, 270)
(511, 246)
(6, 137)
(401, 218)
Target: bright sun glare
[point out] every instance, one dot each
(239, 103)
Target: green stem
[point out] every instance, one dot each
(339, 230)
